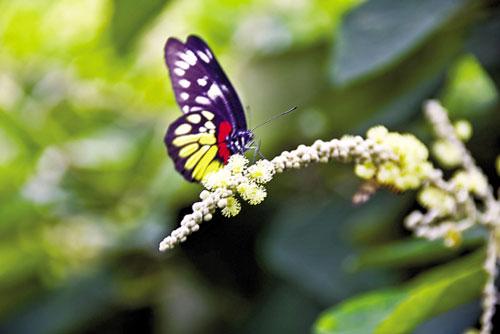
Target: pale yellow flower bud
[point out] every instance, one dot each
(237, 163)
(387, 173)
(437, 199)
(452, 238)
(252, 192)
(447, 154)
(232, 208)
(218, 179)
(463, 130)
(261, 172)
(365, 170)
(473, 181)
(377, 133)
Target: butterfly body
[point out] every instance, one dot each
(213, 126)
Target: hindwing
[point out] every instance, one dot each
(194, 144)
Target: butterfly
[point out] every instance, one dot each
(213, 125)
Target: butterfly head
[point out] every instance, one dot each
(239, 141)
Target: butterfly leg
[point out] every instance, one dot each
(254, 158)
(259, 152)
(256, 150)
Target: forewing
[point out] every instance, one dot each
(192, 143)
(199, 82)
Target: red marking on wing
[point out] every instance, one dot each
(224, 130)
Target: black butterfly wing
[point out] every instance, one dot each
(199, 82)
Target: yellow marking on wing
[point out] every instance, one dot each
(191, 162)
(199, 170)
(183, 129)
(183, 140)
(208, 115)
(214, 166)
(207, 139)
(188, 150)
(202, 138)
(194, 118)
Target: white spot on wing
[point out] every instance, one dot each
(209, 54)
(182, 64)
(209, 125)
(184, 83)
(203, 56)
(214, 92)
(184, 96)
(179, 71)
(202, 82)
(207, 114)
(188, 57)
(202, 129)
(202, 100)
(182, 129)
(194, 118)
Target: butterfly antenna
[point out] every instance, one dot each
(274, 117)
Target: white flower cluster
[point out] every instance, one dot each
(222, 187)
(453, 200)
(409, 168)
(456, 205)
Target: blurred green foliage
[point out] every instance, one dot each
(87, 191)
(402, 310)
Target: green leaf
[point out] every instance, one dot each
(395, 95)
(469, 89)
(380, 32)
(414, 252)
(128, 20)
(361, 315)
(402, 310)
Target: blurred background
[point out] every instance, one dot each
(87, 190)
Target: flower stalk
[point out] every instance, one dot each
(237, 179)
